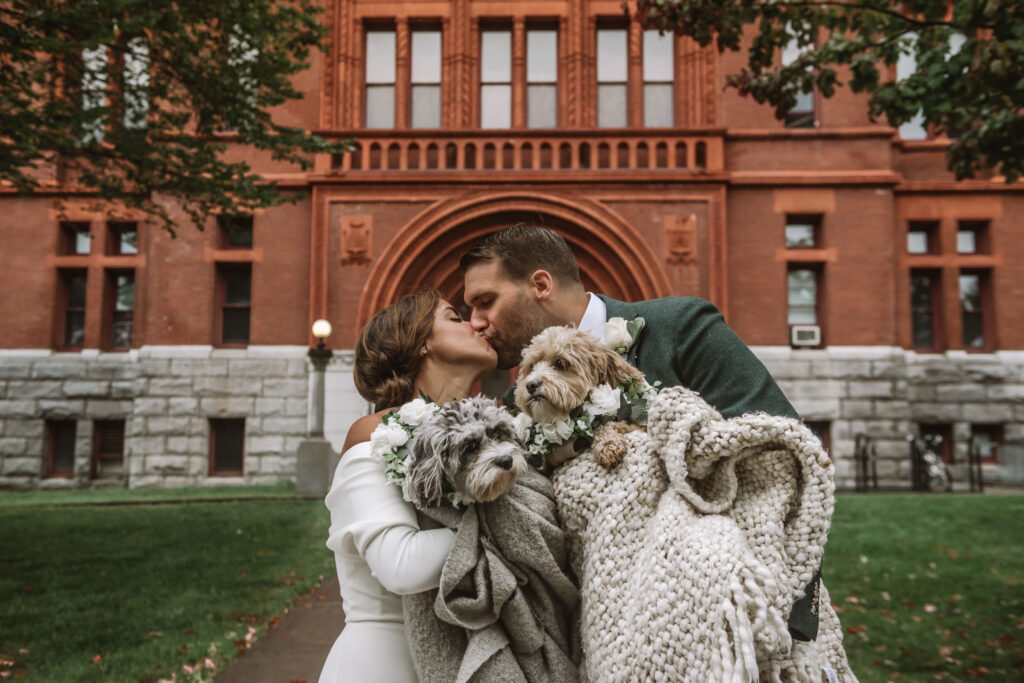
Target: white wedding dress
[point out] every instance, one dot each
(381, 554)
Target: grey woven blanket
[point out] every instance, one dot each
(507, 599)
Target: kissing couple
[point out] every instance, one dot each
(518, 282)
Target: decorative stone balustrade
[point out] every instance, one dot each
(533, 150)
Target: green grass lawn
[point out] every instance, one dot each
(131, 592)
(928, 586)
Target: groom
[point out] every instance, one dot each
(523, 279)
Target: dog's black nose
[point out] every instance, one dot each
(504, 462)
(533, 386)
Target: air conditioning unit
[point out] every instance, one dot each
(805, 335)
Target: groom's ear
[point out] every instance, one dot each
(541, 285)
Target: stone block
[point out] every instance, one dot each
(56, 484)
(167, 464)
(271, 407)
(147, 445)
(19, 483)
(854, 408)
(12, 446)
(15, 368)
(893, 409)
(178, 445)
(273, 444)
(61, 409)
(285, 387)
(1007, 393)
(17, 408)
(987, 412)
(60, 369)
(297, 368)
(987, 373)
(852, 369)
(167, 425)
(41, 388)
(227, 386)
(277, 464)
(24, 427)
(889, 369)
(283, 425)
(816, 389)
(136, 465)
(892, 449)
(154, 367)
(227, 406)
(198, 467)
(22, 467)
(888, 469)
(113, 370)
(125, 388)
(170, 386)
(150, 405)
(870, 389)
(262, 367)
(960, 392)
(934, 372)
(102, 410)
(297, 407)
(923, 411)
(183, 405)
(199, 368)
(817, 409)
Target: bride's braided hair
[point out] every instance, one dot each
(388, 353)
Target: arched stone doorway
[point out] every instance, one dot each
(613, 257)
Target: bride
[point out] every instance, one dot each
(419, 344)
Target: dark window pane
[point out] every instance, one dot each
(922, 307)
(121, 332)
(76, 290)
(924, 336)
(125, 292)
(228, 444)
(237, 230)
(109, 435)
(236, 325)
(75, 237)
(237, 285)
(62, 446)
(74, 328)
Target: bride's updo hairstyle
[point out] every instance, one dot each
(389, 350)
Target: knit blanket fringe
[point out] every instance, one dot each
(692, 552)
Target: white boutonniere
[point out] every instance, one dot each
(621, 334)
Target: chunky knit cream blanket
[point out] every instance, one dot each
(692, 552)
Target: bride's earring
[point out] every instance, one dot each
(423, 351)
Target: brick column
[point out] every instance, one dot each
(519, 73)
(402, 73)
(635, 76)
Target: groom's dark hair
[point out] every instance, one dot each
(523, 249)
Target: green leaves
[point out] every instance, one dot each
(965, 72)
(142, 101)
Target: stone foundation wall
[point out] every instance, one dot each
(166, 396)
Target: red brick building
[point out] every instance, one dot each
(130, 356)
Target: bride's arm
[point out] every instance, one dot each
(370, 517)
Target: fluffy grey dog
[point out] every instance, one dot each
(469, 445)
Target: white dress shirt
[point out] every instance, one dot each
(595, 317)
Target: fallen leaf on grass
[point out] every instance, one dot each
(154, 634)
(916, 619)
(97, 659)
(929, 608)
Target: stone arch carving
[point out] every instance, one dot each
(613, 257)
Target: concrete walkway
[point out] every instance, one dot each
(295, 650)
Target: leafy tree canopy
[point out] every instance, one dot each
(138, 99)
(966, 58)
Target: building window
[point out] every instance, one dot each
(121, 308)
(973, 294)
(235, 231)
(802, 113)
(803, 232)
(611, 78)
(925, 293)
(659, 76)
(541, 78)
(227, 446)
(73, 295)
(803, 295)
(75, 237)
(60, 448)
(906, 65)
(971, 237)
(234, 291)
(380, 79)
(94, 93)
(108, 448)
(426, 79)
(495, 79)
(135, 83)
(124, 238)
(985, 440)
(823, 430)
(922, 237)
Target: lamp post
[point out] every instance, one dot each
(316, 458)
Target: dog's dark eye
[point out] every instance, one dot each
(559, 364)
(498, 432)
(472, 445)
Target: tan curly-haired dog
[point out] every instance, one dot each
(560, 367)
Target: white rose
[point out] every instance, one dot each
(616, 334)
(416, 411)
(396, 436)
(564, 428)
(551, 431)
(379, 439)
(604, 400)
(521, 424)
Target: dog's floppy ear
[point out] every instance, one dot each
(615, 370)
(424, 479)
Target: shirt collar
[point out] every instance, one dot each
(595, 317)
